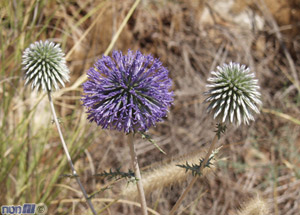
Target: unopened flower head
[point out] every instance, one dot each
(234, 94)
(128, 92)
(45, 66)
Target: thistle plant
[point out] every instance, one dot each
(45, 68)
(232, 98)
(128, 93)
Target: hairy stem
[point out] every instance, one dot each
(137, 173)
(74, 173)
(189, 187)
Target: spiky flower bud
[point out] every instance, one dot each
(130, 92)
(45, 66)
(233, 94)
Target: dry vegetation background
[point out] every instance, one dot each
(191, 38)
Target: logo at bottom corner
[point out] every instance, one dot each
(27, 208)
(41, 209)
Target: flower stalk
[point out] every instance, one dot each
(130, 93)
(232, 98)
(45, 69)
(189, 187)
(74, 173)
(135, 166)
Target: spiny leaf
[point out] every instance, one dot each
(117, 174)
(195, 168)
(221, 128)
(149, 138)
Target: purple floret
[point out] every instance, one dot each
(127, 92)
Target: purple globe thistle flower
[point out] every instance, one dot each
(130, 92)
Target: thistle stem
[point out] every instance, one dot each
(189, 187)
(74, 173)
(137, 173)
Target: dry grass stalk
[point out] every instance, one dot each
(165, 175)
(255, 206)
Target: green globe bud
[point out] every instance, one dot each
(234, 94)
(45, 66)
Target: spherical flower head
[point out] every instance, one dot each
(233, 94)
(45, 66)
(128, 92)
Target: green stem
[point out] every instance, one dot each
(74, 173)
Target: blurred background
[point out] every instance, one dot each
(191, 38)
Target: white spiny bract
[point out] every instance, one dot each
(234, 94)
(45, 66)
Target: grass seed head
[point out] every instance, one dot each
(255, 206)
(167, 175)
